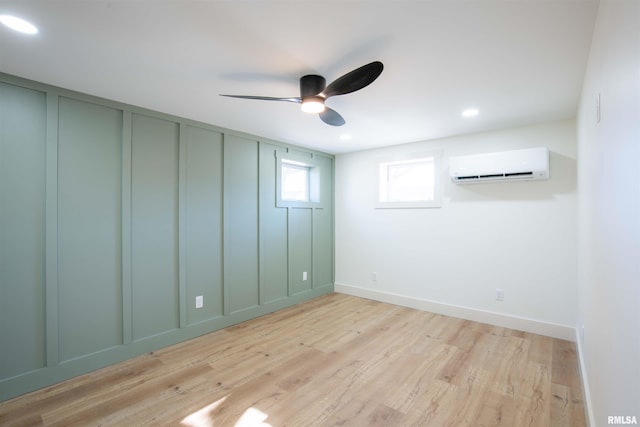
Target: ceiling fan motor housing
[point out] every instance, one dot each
(311, 85)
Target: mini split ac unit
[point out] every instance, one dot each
(515, 165)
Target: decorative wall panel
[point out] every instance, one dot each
(113, 219)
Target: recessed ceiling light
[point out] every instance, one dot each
(18, 24)
(471, 112)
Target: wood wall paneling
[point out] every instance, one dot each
(273, 231)
(22, 222)
(154, 226)
(300, 248)
(323, 227)
(322, 247)
(114, 218)
(240, 223)
(89, 227)
(204, 223)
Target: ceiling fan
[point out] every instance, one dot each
(314, 91)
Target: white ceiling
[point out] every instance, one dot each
(518, 61)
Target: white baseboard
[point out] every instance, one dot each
(582, 370)
(506, 321)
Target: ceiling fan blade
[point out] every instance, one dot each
(331, 117)
(354, 80)
(265, 98)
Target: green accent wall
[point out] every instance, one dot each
(274, 255)
(241, 224)
(113, 219)
(203, 212)
(22, 226)
(89, 228)
(154, 223)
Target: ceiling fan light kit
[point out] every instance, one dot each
(313, 104)
(314, 92)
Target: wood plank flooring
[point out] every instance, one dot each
(337, 360)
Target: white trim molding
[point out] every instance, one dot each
(582, 371)
(497, 319)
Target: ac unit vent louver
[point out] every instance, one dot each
(515, 165)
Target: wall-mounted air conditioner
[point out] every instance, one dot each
(515, 165)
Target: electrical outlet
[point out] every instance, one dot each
(499, 294)
(374, 277)
(199, 301)
(304, 275)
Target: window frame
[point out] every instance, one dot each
(436, 202)
(315, 173)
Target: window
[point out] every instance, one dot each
(294, 181)
(407, 180)
(410, 181)
(297, 180)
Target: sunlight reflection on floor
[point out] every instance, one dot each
(252, 417)
(202, 417)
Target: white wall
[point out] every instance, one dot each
(517, 236)
(609, 215)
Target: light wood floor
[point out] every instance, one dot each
(336, 360)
